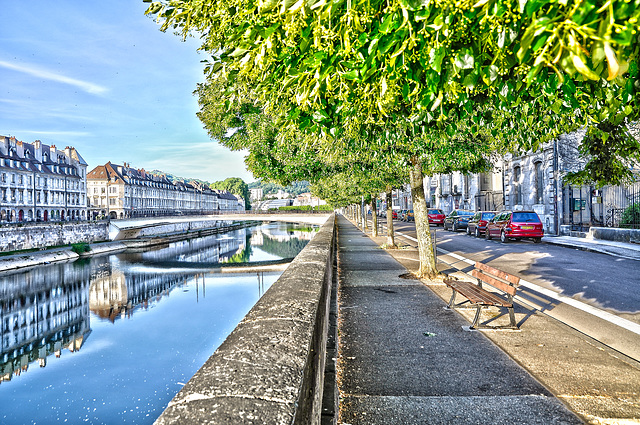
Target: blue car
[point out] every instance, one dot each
(457, 219)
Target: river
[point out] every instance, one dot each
(112, 339)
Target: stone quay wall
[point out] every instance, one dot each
(270, 369)
(18, 236)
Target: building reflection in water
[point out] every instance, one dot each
(42, 311)
(47, 309)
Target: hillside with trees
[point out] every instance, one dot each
(295, 188)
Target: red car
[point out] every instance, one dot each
(394, 214)
(515, 225)
(478, 223)
(436, 216)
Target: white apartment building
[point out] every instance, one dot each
(41, 183)
(119, 191)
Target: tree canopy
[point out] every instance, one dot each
(234, 185)
(316, 89)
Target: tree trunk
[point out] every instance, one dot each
(363, 215)
(391, 241)
(374, 217)
(425, 248)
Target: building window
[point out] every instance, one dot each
(485, 182)
(517, 189)
(539, 183)
(445, 184)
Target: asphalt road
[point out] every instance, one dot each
(609, 283)
(602, 280)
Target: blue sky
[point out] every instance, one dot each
(101, 77)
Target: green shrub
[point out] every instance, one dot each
(81, 247)
(307, 208)
(631, 217)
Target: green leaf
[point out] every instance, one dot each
(386, 23)
(238, 52)
(351, 75)
(470, 81)
(465, 60)
(435, 58)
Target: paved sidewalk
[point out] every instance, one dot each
(404, 359)
(618, 249)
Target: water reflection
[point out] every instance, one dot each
(138, 324)
(41, 312)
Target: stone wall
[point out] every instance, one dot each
(18, 236)
(270, 369)
(605, 233)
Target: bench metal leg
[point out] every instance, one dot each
(451, 301)
(474, 324)
(512, 318)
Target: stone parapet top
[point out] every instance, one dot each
(270, 368)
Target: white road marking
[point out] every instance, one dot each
(601, 314)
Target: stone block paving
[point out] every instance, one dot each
(404, 359)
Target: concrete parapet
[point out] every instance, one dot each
(615, 234)
(270, 368)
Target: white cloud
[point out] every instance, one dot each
(48, 75)
(55, 133)
(202, 160)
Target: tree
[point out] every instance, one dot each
(610, 153)
(234, 185)
(422, 77)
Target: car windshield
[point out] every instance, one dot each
(435, 212)
(465, 213)
(525, 217)
(488, 216)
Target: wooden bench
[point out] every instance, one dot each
(480, 297)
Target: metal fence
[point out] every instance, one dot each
(611, 206)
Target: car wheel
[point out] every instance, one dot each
(477, 233)
(503, 237)
(487, 235)
(468, 231)
(537, 240)
(454, 227)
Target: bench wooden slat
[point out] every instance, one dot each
(480, 297)
(475, 294)
(504, 287)
(499, 273)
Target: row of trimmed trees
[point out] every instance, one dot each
(356, 96)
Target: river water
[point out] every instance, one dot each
(112, 339)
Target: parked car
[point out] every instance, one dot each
(436, 216)
(515, 225)
(401, 214)
(478, 223)
(394, 214)
(457, 219)
(407, 215)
